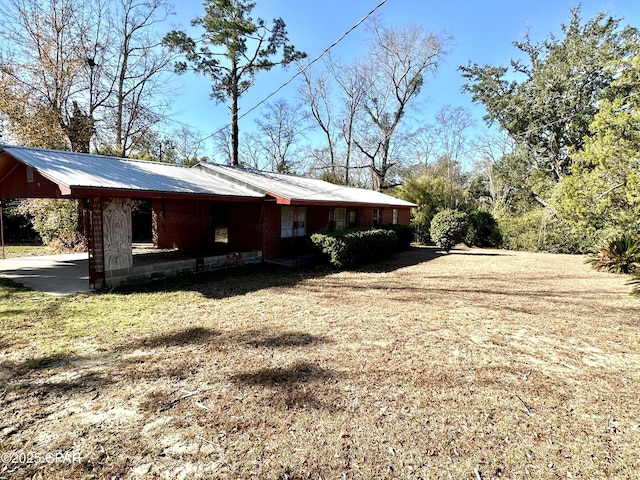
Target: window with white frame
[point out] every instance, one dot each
(293, 222)
(337, 218)
(395, 216)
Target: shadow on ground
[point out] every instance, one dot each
(242, 280)
(117, 358)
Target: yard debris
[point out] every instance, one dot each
(173, 403)
(524, 404)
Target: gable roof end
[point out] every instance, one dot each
(78, 172)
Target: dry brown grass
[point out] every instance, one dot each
(474, 365)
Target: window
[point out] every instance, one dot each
(300, 223)
(293, 222)
(337, 218)
(353, 218)
(221, 235)
(395, 216)
(220, 219)
(376, 217)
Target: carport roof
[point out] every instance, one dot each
(78, 174)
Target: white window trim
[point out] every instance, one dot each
(293, 221)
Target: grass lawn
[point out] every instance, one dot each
(14, 251)
(480, 364)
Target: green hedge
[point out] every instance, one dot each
(354, 247)
(404, 233)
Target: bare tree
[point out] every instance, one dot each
(452, 125)
(352, 86)
(139, 70)
(222, 145)
(281, 125)
(334, 98)
(316, 93)
(491, 149)
(395, 70)
(424, 144)
(40, 67)
(188, 144)
(82, 66)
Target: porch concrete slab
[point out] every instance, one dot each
(52, 274)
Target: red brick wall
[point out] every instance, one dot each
(404, 216)
(317, 221)
(96, 250)
(276, 246)
(188, 225)
(272, 246)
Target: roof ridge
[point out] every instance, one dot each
(85, 154)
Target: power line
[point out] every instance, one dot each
(304, 69)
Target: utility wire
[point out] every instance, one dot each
(302, 70)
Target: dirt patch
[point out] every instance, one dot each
(477, 364)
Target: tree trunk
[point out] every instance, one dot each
(234, 116)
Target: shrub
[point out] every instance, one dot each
(483, 230)
(17, 225)
(51, 218)
(542, 230)
(620, 254)
(448, 228)
(404, 233)
(431, 194)
(73, 242)
(354, 247)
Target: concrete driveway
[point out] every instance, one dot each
(52, 274)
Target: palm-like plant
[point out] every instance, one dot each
(636, 283)
(619, 254)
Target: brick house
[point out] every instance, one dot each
(219, 215)
(296, 207)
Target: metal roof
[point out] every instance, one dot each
(83, 171)
(288, 189)
(80, 172)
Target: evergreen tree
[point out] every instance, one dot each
(232, 49)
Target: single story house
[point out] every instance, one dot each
(218, 214)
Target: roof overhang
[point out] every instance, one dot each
(333, 203)
(84, 192)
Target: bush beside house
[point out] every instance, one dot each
(348, 248)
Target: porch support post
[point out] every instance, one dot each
(95, 243)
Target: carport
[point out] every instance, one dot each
(185, 201)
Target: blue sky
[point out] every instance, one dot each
(483, 32)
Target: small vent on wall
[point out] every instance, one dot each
(29, 174)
